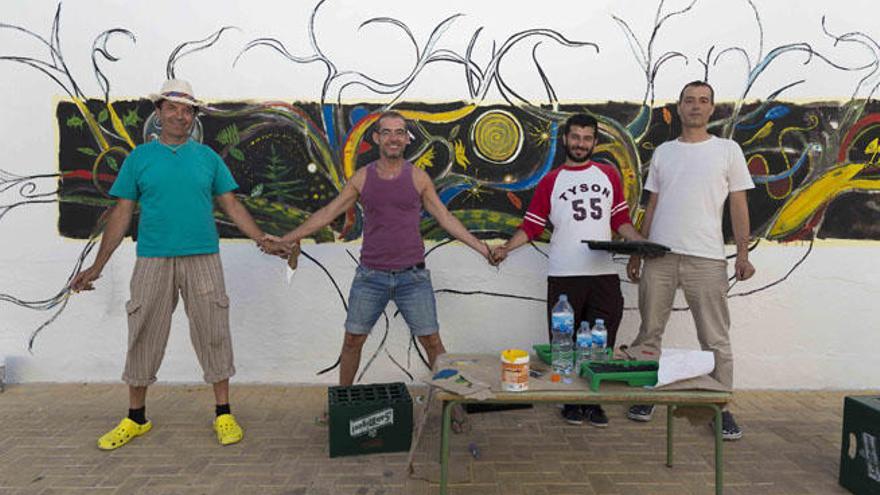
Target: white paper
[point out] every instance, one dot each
(680, 364)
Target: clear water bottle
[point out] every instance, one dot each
(600, 340)
(562, 343)
(582, 346)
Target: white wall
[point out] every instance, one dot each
(818, 329)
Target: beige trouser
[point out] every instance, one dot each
(704, 283)
(155, 286)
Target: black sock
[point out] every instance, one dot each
(222, 409)
(139, 416)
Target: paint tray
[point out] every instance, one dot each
(634, 373)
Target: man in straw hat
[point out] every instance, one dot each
(174, 180)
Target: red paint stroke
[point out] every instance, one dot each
(805, 232)
(87, 175)
(514, 200)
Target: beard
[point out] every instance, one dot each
(391, 155)
(578, 155)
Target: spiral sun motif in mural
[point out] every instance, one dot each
(497, 136)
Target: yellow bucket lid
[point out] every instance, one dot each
(512, 355)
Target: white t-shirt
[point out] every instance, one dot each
(692, 181)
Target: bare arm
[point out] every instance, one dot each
(240, 216)
(323, 217)
(739, 219)
(634, 266)
(447, 220)
(630, 233)
(117, 225)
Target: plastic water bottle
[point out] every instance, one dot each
(600, 340)
(582, 346)
(562, 328)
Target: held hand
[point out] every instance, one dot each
(272, 245)
(84, 279)
(499, 253)
(634, 268)
(276, 248)
(743, 269)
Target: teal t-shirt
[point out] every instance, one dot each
(176, 192)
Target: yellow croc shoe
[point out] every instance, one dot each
(126, 431)
(227, 429)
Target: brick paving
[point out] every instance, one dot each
(48, 434)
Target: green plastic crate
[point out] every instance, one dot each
(860, 446)
(367, 419)
(632, 378)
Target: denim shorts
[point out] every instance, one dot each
(411, 291)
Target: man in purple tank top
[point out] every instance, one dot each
(392, 193)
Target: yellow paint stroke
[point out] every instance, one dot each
(119, 126)
(872, 149)
(461, 154)
(761, 134)
(93, 124)
(349, 151)
(426, 159)
(805, 202)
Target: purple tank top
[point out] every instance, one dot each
(392, 216)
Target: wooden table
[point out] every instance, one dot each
(485, 367)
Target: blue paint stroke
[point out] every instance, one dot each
(764, 179)
(774, 113)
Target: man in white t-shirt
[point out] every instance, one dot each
(583, 200)
(689, 180)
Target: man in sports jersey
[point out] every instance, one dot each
(392, 193)
(583, 199)
(689, 180)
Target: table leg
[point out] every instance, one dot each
(444, 444)
(719, 463)
(669, 434)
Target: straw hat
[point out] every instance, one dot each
(176, 90)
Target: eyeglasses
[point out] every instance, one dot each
(393, 132)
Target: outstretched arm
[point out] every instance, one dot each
(323, 217)
(240, 216)
(447, 220)
(117, 225)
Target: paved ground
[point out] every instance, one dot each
(48, 434)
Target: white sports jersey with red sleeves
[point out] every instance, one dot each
(582, 203)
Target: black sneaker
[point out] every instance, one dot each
(595, 415)
(641, 413)
(572, 414)
(729, 429)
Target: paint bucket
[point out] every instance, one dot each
(514, 370)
